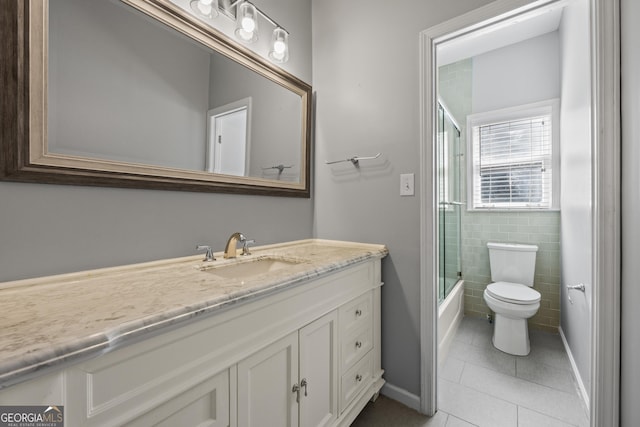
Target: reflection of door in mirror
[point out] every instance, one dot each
(228, 138)
(229, 143)
(230, 151)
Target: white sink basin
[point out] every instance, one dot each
(249, 268)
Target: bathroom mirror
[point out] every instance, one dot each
(142, 94)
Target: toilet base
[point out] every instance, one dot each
(511, 335)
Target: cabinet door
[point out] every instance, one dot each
(265, 381)
(206, 404)
(318, 372)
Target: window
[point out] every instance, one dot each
(514, 158)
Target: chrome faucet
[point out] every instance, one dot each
(231, 249)
(209, 255)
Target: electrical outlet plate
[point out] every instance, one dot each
(407, 182)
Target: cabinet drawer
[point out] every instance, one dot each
(355, 345)
(355, 313)
(355, 380)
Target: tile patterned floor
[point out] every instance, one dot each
(481, 386)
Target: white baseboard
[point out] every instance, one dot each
(401, 395)
(574, 367)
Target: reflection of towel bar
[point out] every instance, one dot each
(279, 167)
(354, 159)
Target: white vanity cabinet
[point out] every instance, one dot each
(306, 354)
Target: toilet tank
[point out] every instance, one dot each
(512, 262)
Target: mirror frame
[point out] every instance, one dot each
(23, 110)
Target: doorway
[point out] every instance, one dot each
(604, 348)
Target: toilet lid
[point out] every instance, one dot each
(515, 293)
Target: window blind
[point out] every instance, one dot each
(512, 164)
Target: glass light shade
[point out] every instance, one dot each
(279, 51)
(205, 8)
(247, 22)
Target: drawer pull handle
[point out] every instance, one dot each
(304, 384)
(358, 344)
(358, 313)
(358, 378)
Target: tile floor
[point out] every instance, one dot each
(481, 386)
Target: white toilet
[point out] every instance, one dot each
(510, 295)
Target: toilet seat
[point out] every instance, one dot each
(514, 293)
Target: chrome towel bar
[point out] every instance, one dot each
(354, 159)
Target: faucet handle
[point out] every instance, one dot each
(209, 255)
(245, 246)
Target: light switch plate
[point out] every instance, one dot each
(407, 184)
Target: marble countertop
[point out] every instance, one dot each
(57, 319)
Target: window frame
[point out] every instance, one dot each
(520, 112)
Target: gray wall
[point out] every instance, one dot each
(575, 155)
(366, 74)
(49, 229)
(630, 379)
(517, 74)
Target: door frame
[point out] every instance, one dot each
(605, 142)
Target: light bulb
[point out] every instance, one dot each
(248, 24)
(279, 47)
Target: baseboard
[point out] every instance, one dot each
(574, 367)
(401, 395)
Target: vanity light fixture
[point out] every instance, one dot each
(205, 8)
(246, 17)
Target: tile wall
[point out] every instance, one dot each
(539, 228)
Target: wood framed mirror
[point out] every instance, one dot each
(144, 94)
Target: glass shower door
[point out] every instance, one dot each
(450, 205)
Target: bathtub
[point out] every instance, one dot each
(450, 312)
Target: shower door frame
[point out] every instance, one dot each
(605, 133)
(451, 193)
